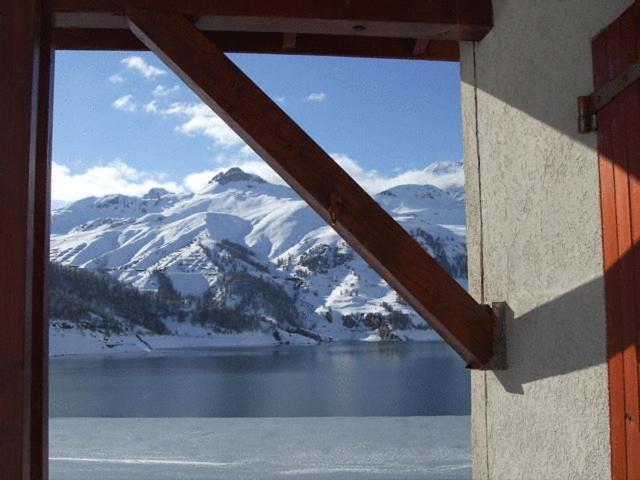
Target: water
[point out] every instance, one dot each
(356, 380)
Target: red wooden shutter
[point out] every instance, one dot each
(618, 123)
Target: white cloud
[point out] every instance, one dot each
(447, 175)
(162, 91)
(316, 97)
(442, 175)
(119, 177)
(151, 107)
(145, 69)
(114, 177)
(280, 99)
(198, 119)
(248, 152)
(126, 103)
(116, 78)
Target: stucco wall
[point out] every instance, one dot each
(535, 241)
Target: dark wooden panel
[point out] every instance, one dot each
(270, 43)
(425, 19)
(42, 196)
(381, 241)
(619, 163)
(22, 393)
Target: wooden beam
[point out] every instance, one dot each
(269, 43)
(420, 46)
(24, 89)
(378, 238)
(289, 41)
(468, 20)
(41, 241)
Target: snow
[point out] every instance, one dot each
(75, 341)
(189, 283)
(183, 236)
(327, 448)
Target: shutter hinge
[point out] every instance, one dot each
(589, 106)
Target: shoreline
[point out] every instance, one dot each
(76, 342)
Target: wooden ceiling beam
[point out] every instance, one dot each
(320, 181)
(270, 43)
(460, 20)
(289, 41)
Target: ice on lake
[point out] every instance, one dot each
(318, 448)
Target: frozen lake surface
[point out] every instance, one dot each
(321, 448)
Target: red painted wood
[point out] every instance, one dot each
(320, 181)
(619, 163)
(610, 253)
(629, 110)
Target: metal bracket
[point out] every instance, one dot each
(501, 312)
(589, 105)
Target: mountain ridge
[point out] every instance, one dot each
(241, 233)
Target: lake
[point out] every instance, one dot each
(327, 412)
(340, 379)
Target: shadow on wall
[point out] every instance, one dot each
(523, 80)
(544, 350)
(520, 78)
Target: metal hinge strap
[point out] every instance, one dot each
(589, 105)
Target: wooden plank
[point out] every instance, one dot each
(269, 43)
(612, 285)
(629, 105)
(468, 20)
(624, 266)
(22, 395)
(379, 239)
(420, 46)
(289, 41)
(40, 294)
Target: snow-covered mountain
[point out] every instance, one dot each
(255, 248)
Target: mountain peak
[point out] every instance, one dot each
(444, 168)
(156, 192)
(235, 174)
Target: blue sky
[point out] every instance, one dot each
(124, 123)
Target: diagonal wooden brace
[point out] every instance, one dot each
(320, 181)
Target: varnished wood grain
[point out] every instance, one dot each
(379, 239)
(431, 19)
(40, 293)
(270, 43)
(24, 73)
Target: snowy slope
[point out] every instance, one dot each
(241, 235)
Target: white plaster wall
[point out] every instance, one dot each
(535, 241)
